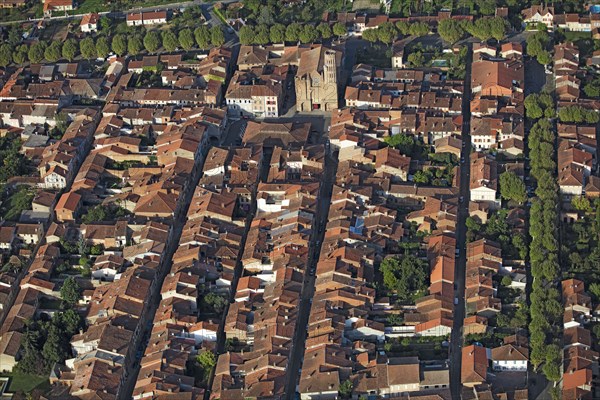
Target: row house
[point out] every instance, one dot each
(483, 179)
(258, 92)
(580, 361)
(60, 159)
(203, 264)
(147, 18)
(575, 166)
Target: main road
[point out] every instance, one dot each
(122, 14)
(456, 338)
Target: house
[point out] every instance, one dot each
(484, 178)
(398, 54)
(259, 95)
(68, 206)
(147, 18)
(497, 78)
(89, 22)
(538, 14)
(42, 202)
(510, 358)
(474, 365)
(55, 178)
(51, 6)
(30, 233)
(10, 350)
(7, 238)
(317, 79)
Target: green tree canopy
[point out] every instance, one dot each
(512, 187)
(262, 36)
(87, 48)
(217, 37)
(119, 45)
(6, 54)
(324, 30)
(186, 39)
(405, 276)
(292, 32)
(169, 40)
(70, 291)
(135, 44)
(450, 30)
(21, 54)
(102, 47)
(36, 52)
(339, 29)
(152, 41)
(277, 33)
(202, 36)
(418, 29)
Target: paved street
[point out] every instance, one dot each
(308, 289)
(456, 339)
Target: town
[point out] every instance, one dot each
(299, 200)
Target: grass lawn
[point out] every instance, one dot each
(16, 203)
(376, 55)
(374, 5)
(26, 383)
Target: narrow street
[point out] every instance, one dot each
(456, 339)
(308, 288)
(142, 333)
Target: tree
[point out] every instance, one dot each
(386, 33)
(370, 35)
(186, 39)
(512, 187)
(152, 41)
(6, 52)
(403, 27)
(292, 32)
(592, 89)
(119, 45)
(70, 291)
(581, 203)
(418, 29)
(202, 36)
(70, 49)
(345, 389)
(169, 40)
(594, 289)
(102, 47)
(216, 302)
(246, 35)
(277, 33)
(36, 52)
(416, 59)
(87, 48)
(105, 25)
(403, 142)
(217, 37)
(506, 281)
(266, 16)
(262, 35)
(324, 30)
(21, 54)
(135, 44)
(339, 29)
(308, 34)
(207, 360)
(450, 30)
(404, 276)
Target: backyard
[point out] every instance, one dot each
(26, 383)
